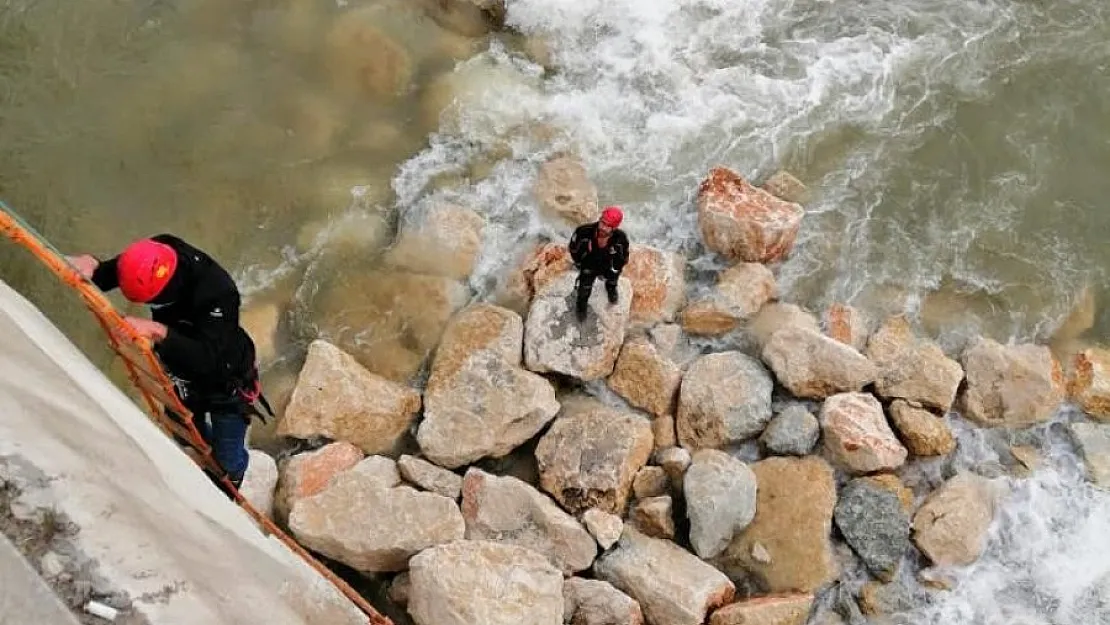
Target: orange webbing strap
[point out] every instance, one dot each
(147, 374)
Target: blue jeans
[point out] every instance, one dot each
(227, 434)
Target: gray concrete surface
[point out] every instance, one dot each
(24, 598)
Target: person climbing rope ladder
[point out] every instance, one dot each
(194, 329)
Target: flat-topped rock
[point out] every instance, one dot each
(811, 365)
(645, 378)
(740, 292)
(912, 368)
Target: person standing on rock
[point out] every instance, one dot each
(195, 331)
(599, 249)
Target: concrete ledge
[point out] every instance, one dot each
(24, 596)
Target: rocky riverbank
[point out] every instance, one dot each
(621, 471)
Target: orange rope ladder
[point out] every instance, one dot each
(147, 374)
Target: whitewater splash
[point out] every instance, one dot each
(856, 99)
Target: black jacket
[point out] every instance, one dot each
(205, 350)
(588, 256)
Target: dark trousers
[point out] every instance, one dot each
(226, 434)
(585, 286)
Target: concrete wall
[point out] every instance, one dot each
(147, 527)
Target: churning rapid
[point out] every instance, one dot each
(954, 151)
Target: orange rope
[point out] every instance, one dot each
(147, 374)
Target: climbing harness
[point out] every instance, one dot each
(156, 387)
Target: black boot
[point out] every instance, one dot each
(611, 291)
(582, 302)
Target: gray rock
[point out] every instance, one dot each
(720, 500)
(875, 525)
(724, 398)
(792, 432)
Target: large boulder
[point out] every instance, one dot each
(724, 398)
(556, 342)
(745, 223)
(564, 191)
(857, 436)
(1011, 385)
(364, 520)
(479, 402)
(792, 432)
(590, 455)
(645, 378)
(875, 525)
(305, 475)
(1090, 386)
(505, 509)
(480, 582)
(812, 365)
(740, 293)
(672, 585)
(371, 412)
(911, 368)
(950, 527)
(445, 240)
(787, 547)
(594, 602)
(924, 433)
(720, 500)
(780, 610)
(658, 284)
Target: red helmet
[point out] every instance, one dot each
(612, 216)
(144, 269)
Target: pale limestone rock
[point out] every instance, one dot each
(724, 398)
(556, 342)
(430, 477)
(1010, 386)
(950, 527)
(479, 402)
(720, 500)
(664, 430)
(792, 525)
(848, 325)
(740, 292)
(777, 316)
(564, 190)
(1090, 386)
(911, 368)
(1093, 441)
(259, 482)
(372, 527)
(782, 184)
(924, 433)
(338, 398)
(590, 455)
(857, 435)
(671, 585)
(505, 509)
(812, 365)
(650, 481)
(479, 582)
(779, 610)
(742, 222)
(305, 475)
(654, 517)
(645, 378)
(445, 241)
(594, 602)
(658, 280)
(604, 527)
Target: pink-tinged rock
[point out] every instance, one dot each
(1091, 385)
(848, 325)
(305, 475)
(776, 610)
(857, 435)
(743, 222)
(658, 284)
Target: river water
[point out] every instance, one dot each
(955, 150)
